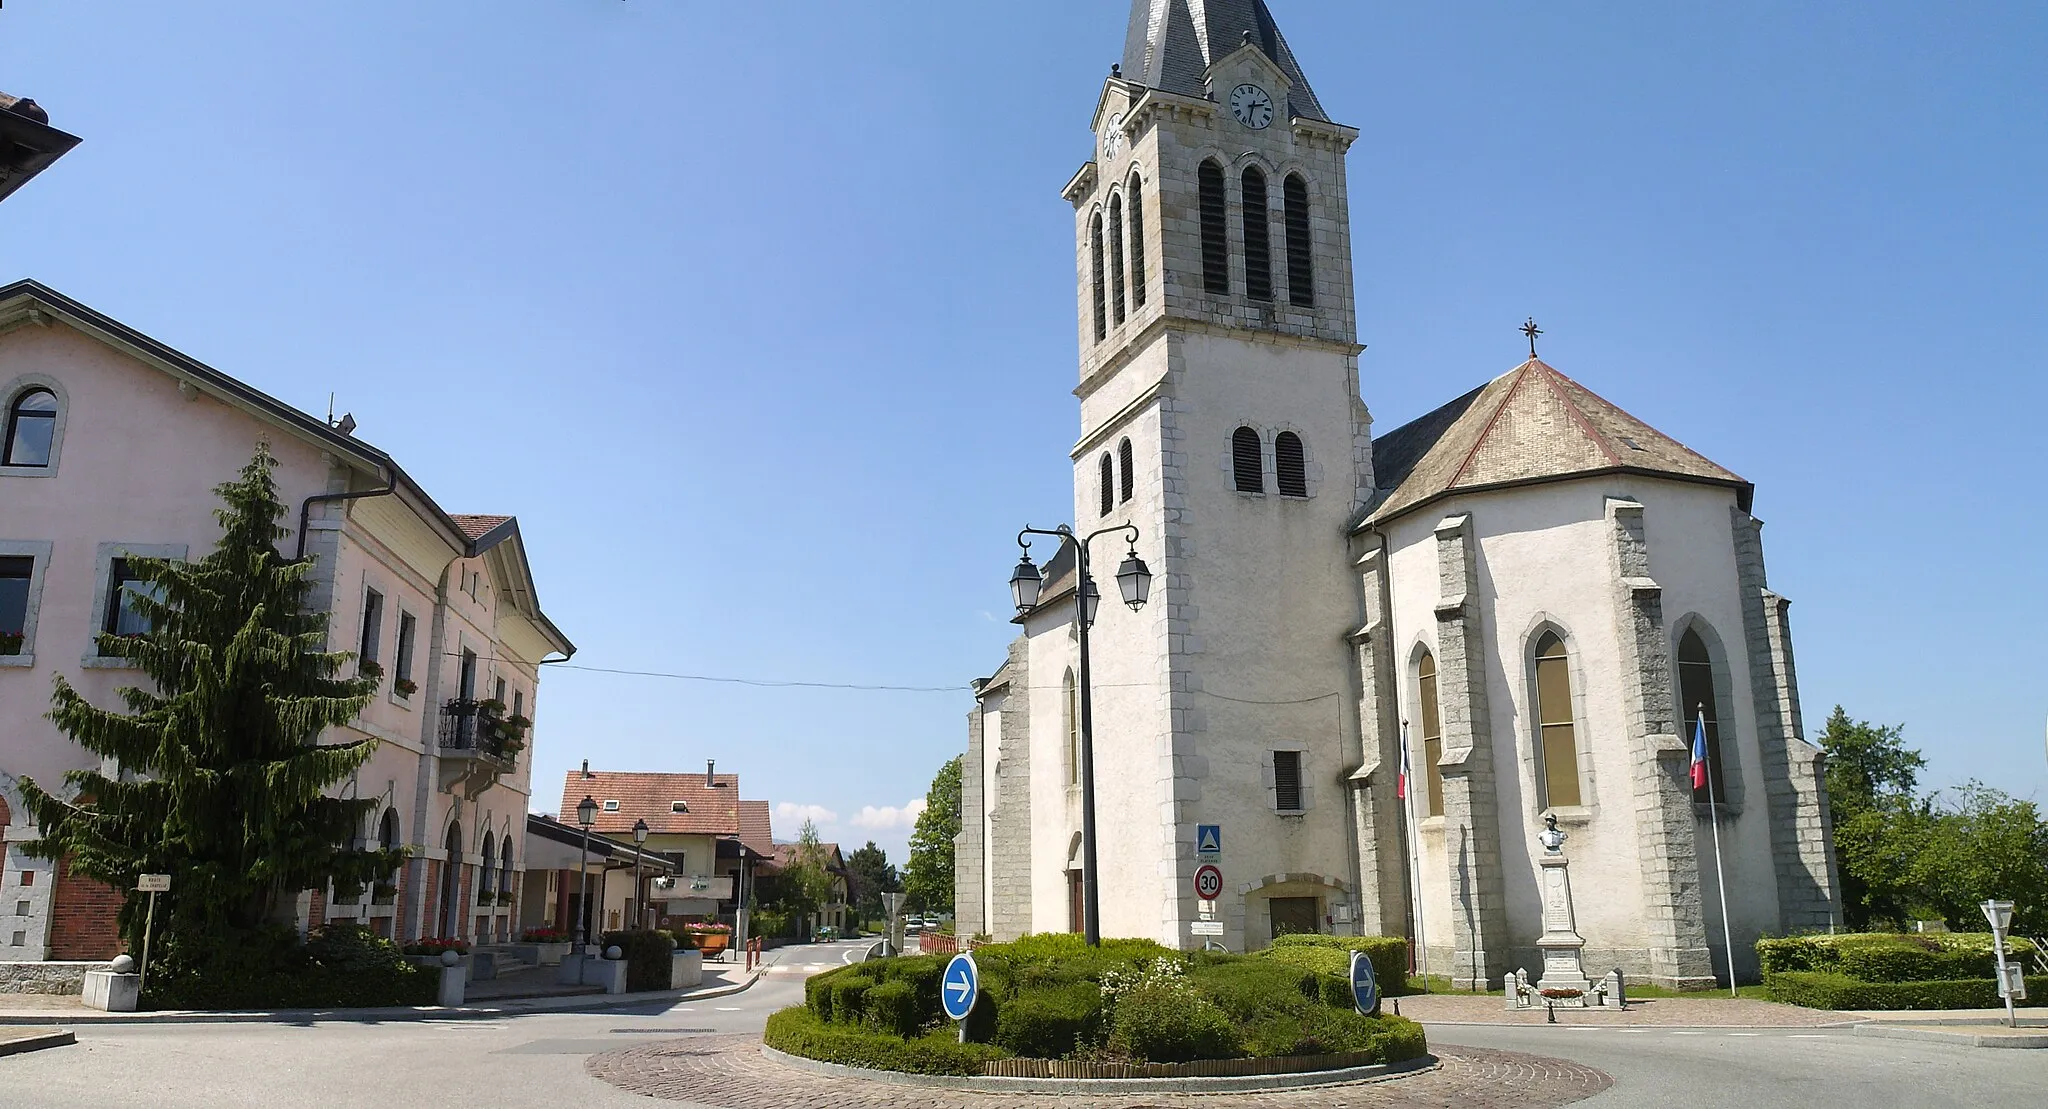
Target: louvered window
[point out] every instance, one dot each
(1116, 258)
(1287, 781)
(1137, 242)
(1245, 463)
(1258, 246)
(1290, 469)
(1123, 459)
(1095, 250)
(1215, 230)
(1108, 484)
(1301, 270)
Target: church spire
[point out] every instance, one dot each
(1172, 43)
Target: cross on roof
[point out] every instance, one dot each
(1531, 330)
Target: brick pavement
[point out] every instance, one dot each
(1667, 1012)
(730, 1072)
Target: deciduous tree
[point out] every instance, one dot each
(928, 879)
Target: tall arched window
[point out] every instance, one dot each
(1258, 246)
(1095, 250)
(1108, 484)
(1137, 191)
(31, 428)
(1290, 468)
(1070, 716)
(1695, 699)
(1245, 463)
(1123, 460)
(1301, 270)
(1116, 258)
(1432, 733)
(1215, 229)
(1559, 736)
(487, 871)
(387, 830)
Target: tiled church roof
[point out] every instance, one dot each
(1530, 424)
(1172, 43)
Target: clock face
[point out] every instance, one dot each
(1251, 105)
(1113, 136)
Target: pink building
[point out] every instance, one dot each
(111, 447)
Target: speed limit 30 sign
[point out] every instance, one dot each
(1208, 882)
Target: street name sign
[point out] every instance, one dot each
(1209, 840)
(1205, 927)
(1365, 989)
(1208, 882)
(152, 883)
(959, 986)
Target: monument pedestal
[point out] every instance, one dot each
(1560, 943)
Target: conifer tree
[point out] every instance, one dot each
(217, 777)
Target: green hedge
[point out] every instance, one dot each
(649, 956)
(799, 1032)
(1164, 1026)
(1887, 956)
(340, 967)
(1050, 1023)
(1332, 955)
(1829, 990)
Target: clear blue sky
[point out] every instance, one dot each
(760, 316)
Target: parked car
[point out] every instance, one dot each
(912, 925)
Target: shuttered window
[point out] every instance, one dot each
(1245, 463)
(1290, 469)
(1560, 743)
(1258, 246)
(1108, 484)
(1123, 459)
(1215, 230)
(1137, 241)
(1095, 251)
(1432, 734)
(1696, 699)
(1287, 781)
(1301, 270)
(1116, 258)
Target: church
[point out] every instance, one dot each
(1373, 662)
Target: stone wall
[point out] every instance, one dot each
(50, 977)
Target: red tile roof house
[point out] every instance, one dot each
(833, 914)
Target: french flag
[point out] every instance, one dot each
(1401, 783)
(1699, 750)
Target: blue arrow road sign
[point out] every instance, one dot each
(1365, 989)
(959, 987)
(1208, 839)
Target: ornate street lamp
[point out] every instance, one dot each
(586, 815)
(1135, 581)
(639, 901)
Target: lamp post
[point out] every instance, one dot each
(1135, 581)
(586, 815)
(639, 902)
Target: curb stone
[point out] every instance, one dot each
(1956, 1034)
(16, 1042)
(987, 1084)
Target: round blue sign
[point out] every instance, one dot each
(959, 986)
(1365, 989)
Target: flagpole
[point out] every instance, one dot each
(1720, 871)
(1414, 837)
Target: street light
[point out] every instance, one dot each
(639, 902)
(586, 815)
(1135, 582)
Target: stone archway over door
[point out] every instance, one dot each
(451, 884)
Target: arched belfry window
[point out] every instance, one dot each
(1123, 461)
(1095, 251)
(1070, 717)
(1137, 191)
(1432, 734)
(1290, 467)
(31, 429)
(1559, 741)
(1215, 229)
(1108, 484)
(1696, 699)
(1116, 258)
(1245, 463)
(1301, 270)
(1258, 246)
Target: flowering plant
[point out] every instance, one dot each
(434, 945)
(704, 927)
(543, 935)
(1561, 993)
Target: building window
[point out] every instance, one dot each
(1695, 700)
(387, 830)
(15, 574)
(1559, 774)
(124, 590)
(498, 691)
(1290, 469)
(373, 627)
(1301, 272)
(1258, 246)
(1070, 716)
(1116, 258)
(484, 873)
(678, 806)
(1432, 734)
(1215, 230)
(611, 806)
(1137, 241)
(1123, 460)
(408, 627)
(519, 702)
(1095, 252)
(1108, 484)
(466, 678)
(31, 428)
(1287, 781)
(1245, 464)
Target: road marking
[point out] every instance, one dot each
(1806, 1036)
(728, 1008)
(682, 1010)
(1745, 1033)
(1688, 1033)
(1583, 1028)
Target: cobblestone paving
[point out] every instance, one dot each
(1667, 1012)
(731, 1072)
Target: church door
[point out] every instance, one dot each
(1076, 903)
(1294, 914)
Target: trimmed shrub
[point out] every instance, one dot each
(1829, 990)
(797, 1031)
(1398, 1038)
(892, 1007)
(1888, 957)
(1050, 1023)
(1389, 955)
(817, 991)
(1159, 1024)
(922, 972)
(649, 955)
(340, 967)
(848, 997)
(1245, 988)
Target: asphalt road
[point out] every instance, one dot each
(537, 1060)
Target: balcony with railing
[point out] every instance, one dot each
(479, 743)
